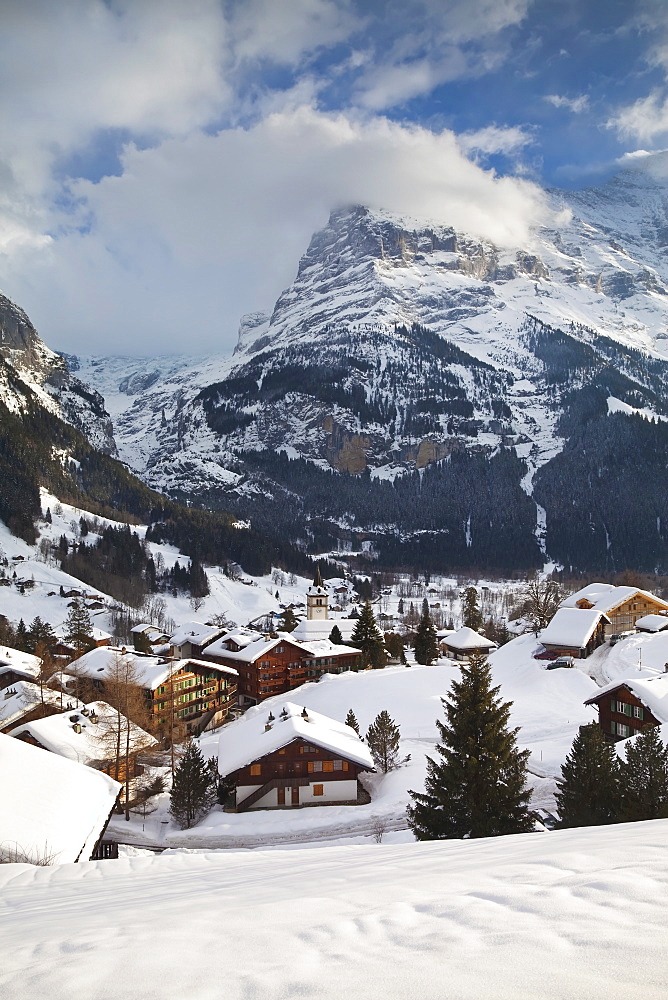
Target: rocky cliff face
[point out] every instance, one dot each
(403, 347)
(48, 376)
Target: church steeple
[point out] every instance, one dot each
(317, 599)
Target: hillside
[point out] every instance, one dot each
(578, 913)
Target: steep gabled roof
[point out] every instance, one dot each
(466, 638)
(246, 740)
(51, 805)
(606, 597)
(572, 627)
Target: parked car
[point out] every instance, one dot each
(561, 661)
(620, 635)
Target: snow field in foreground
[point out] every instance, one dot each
(577, 914)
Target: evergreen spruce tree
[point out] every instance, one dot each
(644, 777)
(589, 789)
(351, 721)
(368, 637)
(21, 636)
(382, 738)
(194, 789)
(400, 606)
(289, 620)
(478, 788)
(426, 643)
(471, 614)
(78, 628)
(335, 636)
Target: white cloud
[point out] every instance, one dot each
(286, 32)
(202, 228)
(439, 42)
(495, 139)
(575, 104)
(643, 120)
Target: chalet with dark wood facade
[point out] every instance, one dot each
(271, 666)
(197, 693)
(575, 632)
(295, 758)
(622, 606)
(627, 707)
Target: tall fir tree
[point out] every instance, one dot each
(589, 788)
(644, 777)
(194, 789)
(368, 637)
(471, 614)
(78, 628)
(426, 642)
(382, 738)
(478, 788)
(351, 720)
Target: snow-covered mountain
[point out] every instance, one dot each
(401, 344)
(30, 370)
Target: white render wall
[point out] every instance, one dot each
(333, 791)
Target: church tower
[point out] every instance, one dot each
(317, 599)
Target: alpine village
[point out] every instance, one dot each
(334, 500)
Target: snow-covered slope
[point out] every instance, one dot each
(578, 913)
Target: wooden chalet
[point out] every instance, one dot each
(294, 758)
(271, 666)
(196, 693)
(575, 632)
(622, 606)
(463, 643)
(627, 707)
(652, 623)
(190, 639)
(87, 735)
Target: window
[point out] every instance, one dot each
(637, 712)
(315, 765)
(340, 765)
(328, 765)
(256, 769)
(623, 730)
(281, 751)
(318, 789)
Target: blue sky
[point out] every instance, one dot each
(164, 162)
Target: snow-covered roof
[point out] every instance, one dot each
(246, 740)
(253, 651)
(50, 805)
(572, 627)
(145, 629)
(652, 623)
(466, 638)
(195, 632)
(323, 647)
(260, 646)
(151, 671)
(22, 697)
(309, 629)
(651, 691)
(605, 597)
(14, 659)
(190, 663)
(57, 733)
